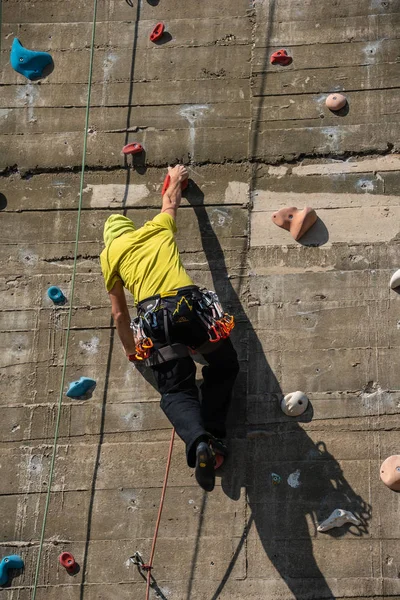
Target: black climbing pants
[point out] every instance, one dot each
(191, 415)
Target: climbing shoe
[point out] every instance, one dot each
(205, 463)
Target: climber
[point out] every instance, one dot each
(173, 314)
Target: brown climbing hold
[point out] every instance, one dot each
(336, 101)
(390, 472)
(294, 220)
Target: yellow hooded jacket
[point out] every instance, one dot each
(146, 260)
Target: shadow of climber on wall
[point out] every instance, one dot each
(312, 483)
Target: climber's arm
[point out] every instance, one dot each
(120, 314)
(172, 197)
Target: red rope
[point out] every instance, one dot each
(149, 566)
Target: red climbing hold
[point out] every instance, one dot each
(67, 560)
(167, 181)
(281, 57)
(157, 32)
(134, 148)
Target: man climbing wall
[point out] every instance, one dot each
(173, 315)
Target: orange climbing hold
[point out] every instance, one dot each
(280, 57)
(134, 148)
(157, 32)
(167, 181)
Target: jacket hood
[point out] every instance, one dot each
(115, 226)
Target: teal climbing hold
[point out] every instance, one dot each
(56, 295)
(30, 63)
(9, 562)
(276, 479)
(82, 388)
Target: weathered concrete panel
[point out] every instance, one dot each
(221, 62)
(49, 11)
(321, 319)
(376, 218)
(116, 94)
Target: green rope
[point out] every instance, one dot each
(78, 224)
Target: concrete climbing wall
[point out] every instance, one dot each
(316, 316)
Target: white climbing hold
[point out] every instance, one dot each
(395, 280)
(294, 479)
(294, 404)
(338, 518)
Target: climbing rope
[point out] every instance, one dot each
(149, 566)
(64, 367)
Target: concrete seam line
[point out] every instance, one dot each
(78, 223)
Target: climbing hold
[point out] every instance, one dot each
(56, 295)
(280, 57)
(68, 561)
(219, 460)
(390, 472)
(29, 63)
(294, 404)
(338, 518)
(167, 181)
(276, 479)
(81, 389)
(395, 280)
(9, 562)
(134, 148)
(157, 32)
(335, 102)
(298, 222)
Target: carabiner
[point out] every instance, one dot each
(146, 344)
(213, 330)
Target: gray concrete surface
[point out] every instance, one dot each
(316, 315)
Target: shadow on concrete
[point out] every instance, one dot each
(48, 70)
(318, 235)
(136, 163)
(270, 443)
(164, 39)
(3, 202)
(153, 582)
(82, 588)
(343, 112)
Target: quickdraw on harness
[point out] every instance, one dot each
(210, 312)
(143, 343)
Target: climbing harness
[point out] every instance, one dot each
(205, 304)
(137, 558)
(71, 308)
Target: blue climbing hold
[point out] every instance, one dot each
(9, 562)
(29, 63)
(82, 388)
(56, 295)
